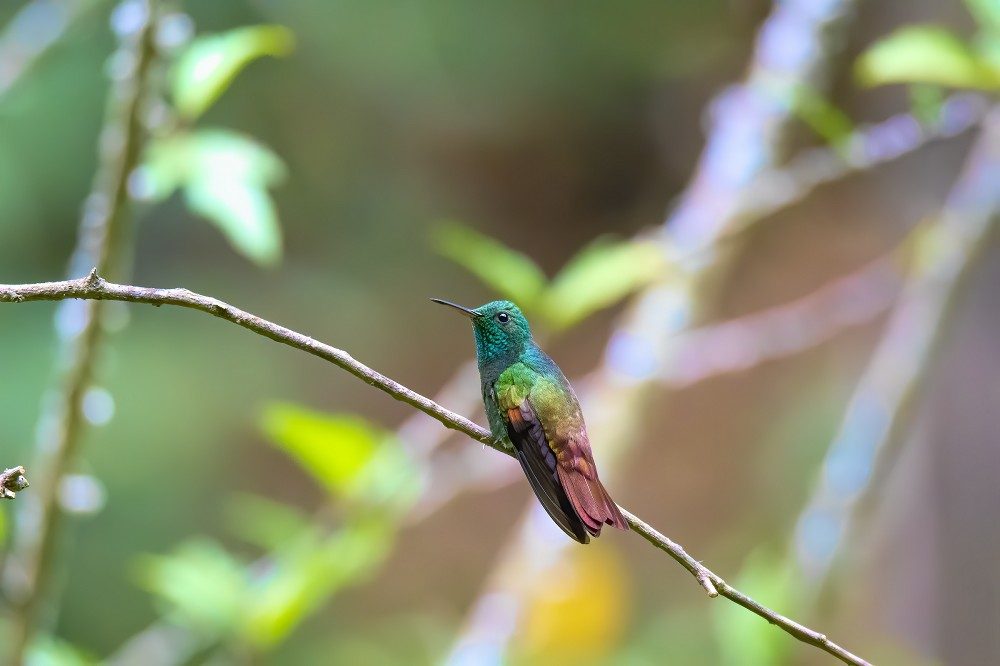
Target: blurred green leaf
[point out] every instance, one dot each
(266, 523)
(926, 102)
(821, 116)
(309, 576)
(511, 274)
(200, 584)
(925, 54)
(50, 651)
(210, 63)
(601, 275)
(224, 176)
(335, 449)
(988, 48)
(986, 12)
(244, 213)
(744, 638)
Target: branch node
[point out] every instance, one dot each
(93, 279)
(706, 582)
(12, 480)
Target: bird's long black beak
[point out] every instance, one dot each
(464, 310)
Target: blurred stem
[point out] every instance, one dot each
(26, 38)
(865, 448)
(93, 287)
(103, 228)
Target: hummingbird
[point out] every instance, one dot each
(530, 403)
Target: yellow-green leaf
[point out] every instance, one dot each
(600, 276)
(925, 54)
(510, 273)
(209, 64)
(265, 523)
(335, 449)
(821, 115)
(303, 580)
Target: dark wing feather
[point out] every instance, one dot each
(578, 477)
(539, 465)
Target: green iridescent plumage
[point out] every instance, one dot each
(530, 403)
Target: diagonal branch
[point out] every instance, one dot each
(94, 288)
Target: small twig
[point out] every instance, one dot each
(94, 287)
(716, 586)
(12, 481)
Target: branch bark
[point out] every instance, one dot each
(12, 481)
(95, 288)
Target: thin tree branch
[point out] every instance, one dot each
(716, 586)
(12, 481)
(745, 342)
(93, 287)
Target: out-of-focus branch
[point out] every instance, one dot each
(31, 32)
(93, 287)
(879, 410)
(12, 481)
(866, 148)
(102, 230)
(790, 328)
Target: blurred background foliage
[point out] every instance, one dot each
(353, 158)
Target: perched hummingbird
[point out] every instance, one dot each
(529, 401)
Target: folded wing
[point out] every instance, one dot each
(540, 466)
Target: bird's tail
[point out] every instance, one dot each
(591, 500)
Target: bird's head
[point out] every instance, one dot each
(501, 328)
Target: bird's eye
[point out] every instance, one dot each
(503, 317)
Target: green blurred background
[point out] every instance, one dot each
(544, 126)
